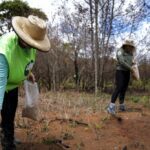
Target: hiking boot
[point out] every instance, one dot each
(122, 107)
(111, 108)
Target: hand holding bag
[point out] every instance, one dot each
(135, 72)
(31, 109)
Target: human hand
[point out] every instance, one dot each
(132, 69)
(135, 72)
(0, 107)
(31, 77)
(134, 62)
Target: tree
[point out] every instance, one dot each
(73, 27)
(8, 9)
(96, 45)
(89, 34)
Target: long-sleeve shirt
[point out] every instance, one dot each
(3, 77)
(15, 63)
(20, 59)
(125, 60)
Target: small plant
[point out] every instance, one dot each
(48, 140)
(67, 136)
(30, 135)
(135, 99)
(98, 126)
(45, 128)
(145, 100)
(80, 145)
(73, 124)
(105, 118)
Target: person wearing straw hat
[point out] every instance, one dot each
(17, 53)
(124, 67)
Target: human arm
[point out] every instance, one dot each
(122, 60)
(3, 78)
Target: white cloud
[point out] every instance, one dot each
(140, 37)
(47, 6)
(51, 7)
(125, 5)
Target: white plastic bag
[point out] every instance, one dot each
(31, 93)
(135, 72)
(31, 109)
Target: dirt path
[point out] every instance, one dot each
(78, 121)
(103, 132)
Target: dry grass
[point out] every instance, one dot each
(74, 119)
(73, 103)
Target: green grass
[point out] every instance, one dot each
(48, 141)
(143, 100)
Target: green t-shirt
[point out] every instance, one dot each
(20, 60)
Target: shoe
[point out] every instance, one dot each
(7, 142)
(8, 147)
(17, 141)
(122, 107)
(111, 108)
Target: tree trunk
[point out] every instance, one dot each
(76, 69)
(96, 46)
(91, 31)
(54, 77)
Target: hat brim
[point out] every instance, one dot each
(42, 45)
(128, 45)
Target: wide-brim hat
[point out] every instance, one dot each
(129, 43)
(32, 30)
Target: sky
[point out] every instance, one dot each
(142, 30)
(50, 7)
(47, 6)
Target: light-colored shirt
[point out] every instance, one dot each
(3, 77)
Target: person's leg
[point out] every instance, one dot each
(8, 115)
(119, 85)
(126, 79)
(119, 82)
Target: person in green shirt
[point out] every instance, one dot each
(125, 56)
(17, 56)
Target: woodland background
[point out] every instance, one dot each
(84, 43)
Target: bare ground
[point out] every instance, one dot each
(78, 121)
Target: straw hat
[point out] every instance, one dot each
(32, 30)
(129, 42)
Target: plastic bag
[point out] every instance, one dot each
(31, 113)
(31, 109)
(135, 72)
(31, 93)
